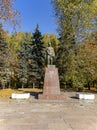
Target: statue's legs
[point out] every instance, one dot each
(51, 60)
(48, 60)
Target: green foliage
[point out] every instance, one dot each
(4, 64)
(31, 59)
(87, 61)
(51, 38)
(38, 54)
(14, 45)
(23, 56)
(75, 19)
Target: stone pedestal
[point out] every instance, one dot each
(51, 88)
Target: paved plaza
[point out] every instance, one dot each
(33, 114)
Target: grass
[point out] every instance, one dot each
(8, 92)
(36, 90)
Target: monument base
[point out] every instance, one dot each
(51, 90)
(51, 97)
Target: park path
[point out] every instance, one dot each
(32, 114)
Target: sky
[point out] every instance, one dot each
(35, 12)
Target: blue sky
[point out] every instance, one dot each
(36, 12)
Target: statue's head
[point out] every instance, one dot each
(49, 44)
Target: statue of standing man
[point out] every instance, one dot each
(50, 54)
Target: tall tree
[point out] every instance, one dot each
(14, 45)
(4, 64)
(87, 62)
(75, 19)
(38, 54)
(23, 59)
(31, 59)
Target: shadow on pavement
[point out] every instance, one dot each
(35, 94)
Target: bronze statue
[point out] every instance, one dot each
(50, 54)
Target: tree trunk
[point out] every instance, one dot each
(88, 86)
(22, 85)
(3, 85)
(93, 84)
(33, 85)
(9, 86)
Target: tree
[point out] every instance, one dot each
(75, 19)
(46, 39)
(38, 55)
(23, 59)
(8, 13)
(51, 38)
(87, 62)
(4, 64)
(14, 45)
(22, 74)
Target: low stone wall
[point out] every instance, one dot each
(20, 96)
(85, 96)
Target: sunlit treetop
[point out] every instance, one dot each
(8, 13)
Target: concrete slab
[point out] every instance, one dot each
(20, 95)
(59, 126)
(85, 96)
(70, 114)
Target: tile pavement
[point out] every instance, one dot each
(69, 114)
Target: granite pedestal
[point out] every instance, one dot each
(51, 90)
